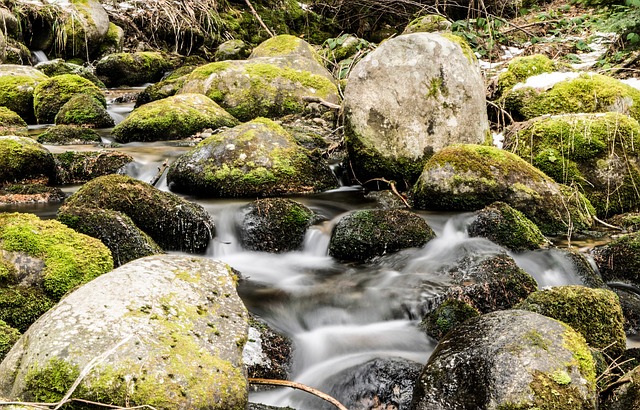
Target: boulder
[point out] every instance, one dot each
(58, 66)
(166, 87)
(508, 359)
(172, 118)
(448, 315)
(364, 234)
(169, 332)
(429, 23)
(594, 313)
(619, 260)
(78, 167)
(339, 49)
(113, 41)
(507, 227)
(17, 84)
(232, 50)
(69, 135)
(263, 87)
(412, 96)
(85, 110)
(469, 177)
(274, 225)
(11, 123)
(131, 68)
(22, 158)
(50, 95)
(595, 152)
(47, 254)
(285, 45)
(586, 93)
(20, 306)
(268, 353)
(255, 159)
(173, 222)
(27, 193)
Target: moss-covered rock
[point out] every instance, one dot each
(588, 93)
(255, 159)
(619, 260)
(176, 117)
(132, 68)
(17, 84)
(274, 225)
(58, 66)
(68, 135)
(115, 229)
(521, 68)
(232, 50)
(469, 177)
(20, 306)
(595, 313)
(77, 167)
(11, 123)
(285, 45)
(113, 41)
(508, 227)
(85, 110)
(365, 234)
(447, 316)
(23, 193)
(596, 152)
(173, 222)
(22, 158)
(263, 87)
(166, 87)
(8, 337)
(50, 95)
(428, 23)
(68, 258)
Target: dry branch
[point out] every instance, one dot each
(299, 386)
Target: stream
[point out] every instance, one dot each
(337, 314)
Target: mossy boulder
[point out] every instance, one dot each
(172, 323)
(447, 316)
(173, 222)
(61, 258)
(69, 135)
(58, 66)
(84, 110)
(113, 41)
(428, 24)
(232, 50)
(22, 158)
(508, 227)
(8, 337)
(176, 117)
(509, 360)
(263, 87)
(285, 45)
(412, 96)
(468, 177)
(365, 234)
(11, 123)
(114, 229)
(132, 68)
(50, 95)
(20, 306)
(17, 84)
(619, 260)
(255, 159)
(77, 167)
(521, 68)
(274, 225)
(588, 93)
(166, 87)
(596, 152)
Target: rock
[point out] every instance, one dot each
(69, 135)
(10, 22)
(448, 315)
(17, 83)
(268, 353)
(131, 68)
(166, 87)
(263, 87)
(20, 306)
(587, 93)
(274, 225)
(507, 227)
(21, 158)
(255, 159)
(77, 167)
(364, 234)
(429, 23)
(594, 313)
(169, 332)
(523, 67)
(50, 95)
(508, 359)
(469, 177)
(619, 260)
(232, 50)
(8, 337)
(285, 45)
(341, 48)
(47, 254)
(113, 41)
(625, 394)
(412, 96)
(58, 66)
(24, 193)
(630, 304)
(85, 110)
(114, 229)
(11, 123)
(173, 222)
(172, 118)
(17, 53)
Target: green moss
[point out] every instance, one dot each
(21, 306)
(521, 68)
(50, 382)
(16, 93)
(11, 123)
(8, 337)
(83, 109)
(50, 95)
(285, 45)
(68, 134)
(447, 316)
(22, 158)
(428, 24)
(70, 258)
(464, 46)
(548, 393)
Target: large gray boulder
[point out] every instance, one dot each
(414, 95)
(505, 360)
(165, 331)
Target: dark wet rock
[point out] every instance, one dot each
(75, 167)
(630, 303)
(447, 316)
(68, 135)
(508, 359)
(268, 353)
(365, 234)
(619, 260)
(22, 158)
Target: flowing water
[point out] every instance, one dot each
(337, 314)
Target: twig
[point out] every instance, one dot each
(161, 170)
(320, 101)
(392, 184)
(606, 224)
(299, 386)
(257, 16)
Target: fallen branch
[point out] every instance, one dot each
(595, 218)
(257, 16)
(299, 386)
(161, 170)
(392, 184)
(320, 101)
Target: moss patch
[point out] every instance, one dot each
(85, 110)
(521, 68)
(21, 306)
(22, 158)
(8, 337)
(50, 95)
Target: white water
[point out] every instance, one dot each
(40, 56)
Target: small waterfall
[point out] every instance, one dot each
(39, 56)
